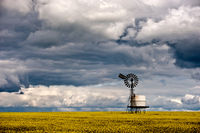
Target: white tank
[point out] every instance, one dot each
(138, 100)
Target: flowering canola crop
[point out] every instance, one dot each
(100, 122)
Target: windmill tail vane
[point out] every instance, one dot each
(122, 76)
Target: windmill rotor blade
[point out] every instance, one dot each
(122, 76)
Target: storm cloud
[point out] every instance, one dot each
(88, 42)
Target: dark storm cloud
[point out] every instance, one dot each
(54, 65)
(187, 53)
(16, 28)
(196, 76)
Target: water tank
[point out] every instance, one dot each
(138, 100)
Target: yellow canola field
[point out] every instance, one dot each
(100, 122)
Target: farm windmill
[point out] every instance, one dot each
(136, 103)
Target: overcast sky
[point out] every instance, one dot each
(65, 55)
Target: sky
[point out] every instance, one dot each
(65, 55)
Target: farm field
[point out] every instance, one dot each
(100, 122)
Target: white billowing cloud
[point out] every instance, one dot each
(191, 102)
(98, 17)
(21, 6)
(11, 100)
(165, 103)
(190, 99)
(171, 3)
(98, 97)
(179, 24)
(65, 96)
(195, 90)
(161, 3)
(197, 87)
(186, 102)
(176, 100)
(107, 18)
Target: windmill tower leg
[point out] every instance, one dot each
(131, 102)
